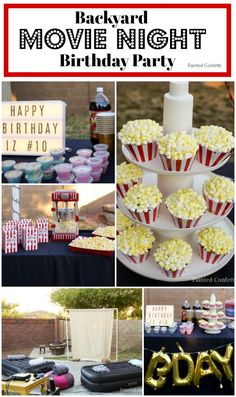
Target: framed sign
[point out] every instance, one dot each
(160, 314)
(32, 128)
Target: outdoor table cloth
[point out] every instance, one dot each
(197, 341)
(74, 144)
(53, 264)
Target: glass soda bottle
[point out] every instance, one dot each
(185, 306)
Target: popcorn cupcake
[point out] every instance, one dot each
(215, 144)
(219, 324)
(143, 202)
(177, 151)
(140, 137)
(218, 192)
(127, 176)
(123, 222)
(186, 207)
(173, 256)
(214, 244)
(206, 313)
(206, 303)
(221, 314)
(135, 243)
(219, 304)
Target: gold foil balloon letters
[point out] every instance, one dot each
(224, 361)
(186, 381)
(204, 358)
(156, 359)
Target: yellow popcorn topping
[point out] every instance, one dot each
(122, 221)
(140, 131)
(94, 243)
(216, 240)
(215, 138)
(128, 172)
(135, 241)
(108, 231)
(142, 198)
(219, 189)
(186, 204)
(173, 254)
(178, 145)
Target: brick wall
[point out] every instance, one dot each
(176, 296)
(77, 95)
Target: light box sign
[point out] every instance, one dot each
(32, 127)
(160, 315)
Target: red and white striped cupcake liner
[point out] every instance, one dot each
(177, 165)
(173, 274)
(137, 258)
(217, 208)
(185, 223)
(210, 158)
(147, 216)
(122, 188)
(209, 257)
(144, 152)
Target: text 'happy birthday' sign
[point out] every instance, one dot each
(32, 127)
(160, 314)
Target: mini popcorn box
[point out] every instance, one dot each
(20, 225)
(122, 188)
(173, 274)
(177, 165)
(210, 158)
(147, 216)
(30, 238)
(217, 208)
(185, 223)
(10, 241)
(42, 226)
(209, 257)
(144, 152)
(137, 258)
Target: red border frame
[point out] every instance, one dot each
(227, 73)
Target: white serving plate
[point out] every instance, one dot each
(213, 331)
(197, 269)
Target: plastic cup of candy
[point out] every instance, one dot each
(7, 165)
(48, 174)
(163, 330)
(100, 147)
(82, 173)
(57, 153)
(63, 170)
(95, 163)
(59, 161)
(103, 155)
(84, 153)
(33, 169)
(70, 179)
(148, 330)
(172, 330)
(34, 179)
(77, 160)
(20, 167)
(45, 161)
(104, 167)
(13, 176)
(189, 331)
(96, 174)
(89, 180)
(182, 329)
(156, 330)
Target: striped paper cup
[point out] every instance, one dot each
(173, 274)
(147, 216)
(182, 223)
(137, 258)
(177, 165)
(208, 256)
(210, 158)
(122, 188)
(217, 208)
(144, 152)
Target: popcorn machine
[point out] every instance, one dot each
(65, 215)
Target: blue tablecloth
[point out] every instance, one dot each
(53, 264)
(74, 144)
(197, 341)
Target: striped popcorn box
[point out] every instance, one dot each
(177, 165)
(173, 274)
(10, 241)
(147, 216)
(122, 188)
(182, 223)
(210, 158)
(144, 152)
(209, 257)
(20, 225)
(42, 226)
(137, 258)
(217, 208)
(30, 238)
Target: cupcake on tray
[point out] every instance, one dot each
(215, 144)
(143, 202)
(218, 192)
(127, 175)
(186, 207)
(177, 151)
(214, 244)
(135, 243)
(141, 137)
(122, 222)
(173, 256)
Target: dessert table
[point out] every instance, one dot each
(74, 144)
(197, 341)
(53, 264)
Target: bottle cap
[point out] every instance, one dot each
(178, 88)
(99, 89)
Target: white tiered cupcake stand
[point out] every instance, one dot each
(164, 228)
(211, 327)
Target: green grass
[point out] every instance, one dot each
(77, 127)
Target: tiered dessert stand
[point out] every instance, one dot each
(211, 326)
(164, 228)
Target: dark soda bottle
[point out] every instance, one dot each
(197, 311)
(185, 306)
